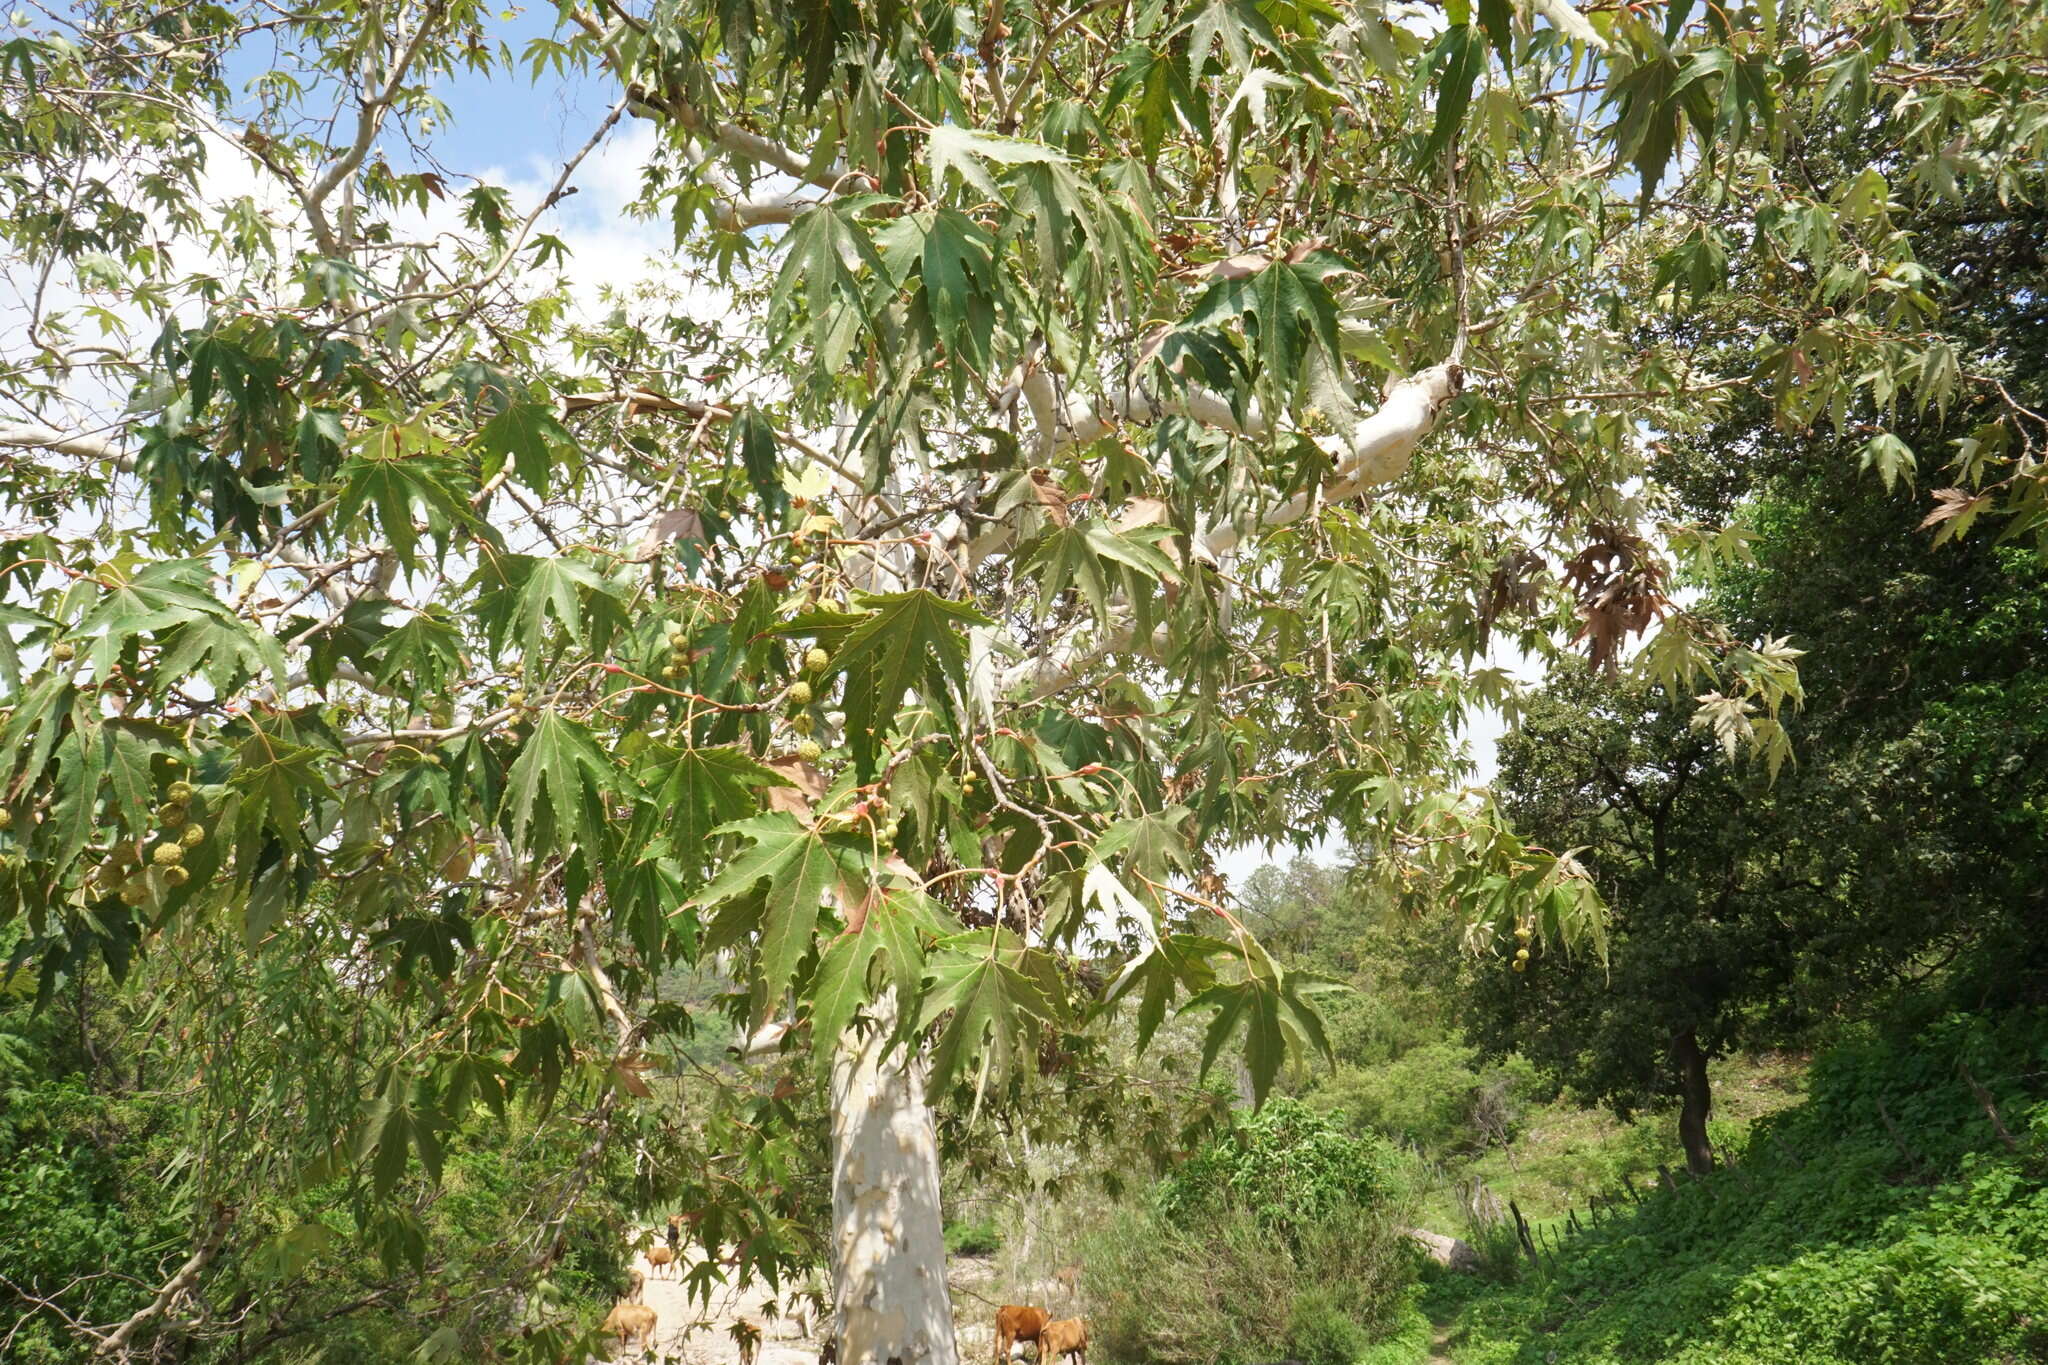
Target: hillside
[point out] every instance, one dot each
(1898, 1214)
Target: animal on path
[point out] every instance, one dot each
(638, 1292)
(1015, 1324)
(659, 1257)
(1065, 1338)
(629, 1320)
(746, 1334)
(1069, 1277)
(675, 1234)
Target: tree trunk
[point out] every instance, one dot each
(888, 1244)
(1696, 1102)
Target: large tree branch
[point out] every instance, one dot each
(116, 1342)
(369, 122)
(1377, 451)
(36, 436)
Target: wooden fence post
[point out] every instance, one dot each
(1522, 1231)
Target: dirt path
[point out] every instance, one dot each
(693, 1333)
(689, 1331)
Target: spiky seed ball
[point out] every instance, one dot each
(1521, 954)
(168, 855)
(170, 814)
(194, 836)
(515, 698)
(1520, 965)
(180, 792)
(63, 652)
(6, 818)
(815, 659)
(799, 693)
(177, 876)
(810, 751)
(800, 723)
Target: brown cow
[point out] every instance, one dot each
(658, 1257)
(1069, 1277)
(1067, 1338)
(1015, 1324)
(638, 1292)
(630, 1320)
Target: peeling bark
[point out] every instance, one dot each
(888, 1243)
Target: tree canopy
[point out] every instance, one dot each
(1069, 441)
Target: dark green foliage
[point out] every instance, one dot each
(1904, 841)
(1841, 1238)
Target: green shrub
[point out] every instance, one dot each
(1288, 1166)
(973, 1237)
(1277, 1242)
(1321, 1329)
(1228, 1290)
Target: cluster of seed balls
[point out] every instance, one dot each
(1523, 933)
(127, 876)
(799, 696)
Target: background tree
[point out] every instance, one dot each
(993, 548)
(1899, 848)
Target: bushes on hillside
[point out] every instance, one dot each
(1277, 1242)
(1883, 1222)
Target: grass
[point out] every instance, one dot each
(1566, 1155)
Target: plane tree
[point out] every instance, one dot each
(1066, 441)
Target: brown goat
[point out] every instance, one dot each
(630, 1320)
(1065, 1338)
(1015, 1324)
(658, 1257)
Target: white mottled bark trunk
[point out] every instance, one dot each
(888, 1243)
